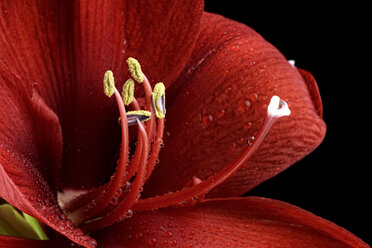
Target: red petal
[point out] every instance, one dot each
(48, 133)
(235, 222)
(313, 90)
(66, 46)
(14, 242)
(106, 33)
(30, 149)
(220, 100)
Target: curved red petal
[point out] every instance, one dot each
(14, 242)
(234, 222)
(48, 136)
(220, 100)
(313, 90)
(66, 46)
(30, 149)
(106, 33)
(23, 186)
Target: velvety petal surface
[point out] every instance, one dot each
(30, 67)
(234, 222)
(30, 143)
(220, 100)
(66, 46)
(53, 55)
(105, 34)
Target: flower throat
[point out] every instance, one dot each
(120, 197)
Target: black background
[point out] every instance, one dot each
(334, 181)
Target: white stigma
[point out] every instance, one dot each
(292, 62)
(278, 107)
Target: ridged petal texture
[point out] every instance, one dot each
(53, 55)
(234, 222)
(66, 46)
(30, 143)
(219, 102)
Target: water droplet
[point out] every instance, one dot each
(129, 214)
(139, 235)
(250, 140)
(114, 201)
(151, 241)
(173, 242)
(221, 113)
(253, 97)
(207, 120)
(235, 48)
(169, 234)
(228, 89)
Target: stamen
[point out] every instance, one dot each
(95, 206)
(138, 115)
(276, 109)
(124, 207)
(134, 162)
(292, 63)
(155, 149)
(136, 72)
(109, 83)
(135, 69)
(128, 92)
(158, 100)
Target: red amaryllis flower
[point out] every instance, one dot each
(60, 133)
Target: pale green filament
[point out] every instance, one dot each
(109, 83)
(128, 92)
(135, 69)
(158, 100)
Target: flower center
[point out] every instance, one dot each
(119, 198)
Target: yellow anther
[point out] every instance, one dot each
(158, 100)
(135, 69)
(128, 92)
(139, 112)
(109, 83)
(133, 116)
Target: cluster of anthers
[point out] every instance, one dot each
(120, 197)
